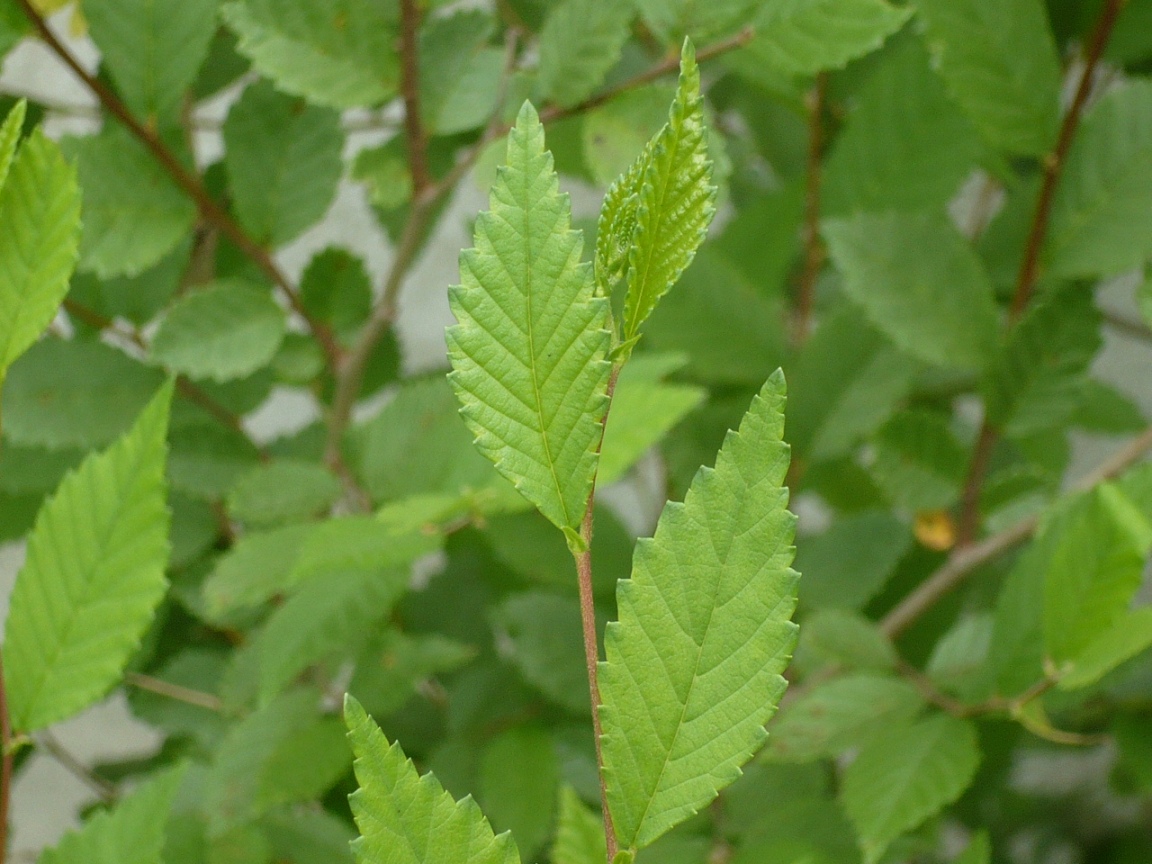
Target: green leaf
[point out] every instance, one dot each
(132, 832)
(359, 543)
(579, 833)
(672, 20)
(802, 37)
(10, 136)
(133, 214)
(518, 778)
(848, 381)
(1128, 636)
(999, 60)
(338, 53)
(153, 49)
(848, 639)
(1036, 380)
(417, 444)
(325, 615)
(394, 665)
(840, 714)
(224, 331)
(1102, 543)
(305, 765)
(283, 491)
(39, 227)
(336, 288)
(93, 577)
(74, 394)
(675, 200)
(405, 818)
(284, 162)
(917, 281)
(545, 633)
(718, 628)
(979, 851)
(529, 351)
(905, 775)
(959, 660)
(1101, 224)
(849, 563)
(918, 462)
(643, 410)
(580, 42)
(907, 146)
(256, 568)
(613, 133)
(245, 756)
(459, 72)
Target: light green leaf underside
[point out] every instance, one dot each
(843, 713)
(999, 60)
(1101, 222)
(133, 214)
(338, 53)
(153, 48)
(1128, 636)
(39, 230)
(460, 71)
(802, 37)
(580, 42)
(283, 491)
(224, 331)
(528, 353)
(937, 304)
(132, 832)
(693, 665)
(906, 775)
(579, 833)
(675, 200)
(93, 577)
(406, 818)
(283, 160)
(1100, 545)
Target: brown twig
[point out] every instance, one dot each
(813, 248)
(189, 182)
(664, 67)
(6, 757)
(174, 691)
(414, 132)
(189, 390)
(588, 625)
(966, 559)
(969, 520)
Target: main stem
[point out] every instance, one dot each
(591, 645)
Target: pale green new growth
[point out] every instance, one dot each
(132, 832)
(93, 577)
(694, 664)
(39, 231)
(406, 818)
(528, 353)
(670, 190)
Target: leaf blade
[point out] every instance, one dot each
(530, 346)
(673, 618)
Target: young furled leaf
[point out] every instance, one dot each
(708, 605)
(406, 818)
(529, 351)
(661, 208)
(39, 229)
(93, 576)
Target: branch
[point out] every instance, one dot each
(104, 790)
(588, 625)
(664, 67)
(174, 691)
(966, 559)
(813, 248)
(188, 181)
(1130, 327)
(410, 89)
(1030, 265)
